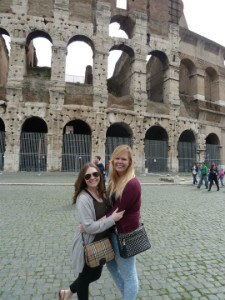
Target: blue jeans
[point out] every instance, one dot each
(200, 181)
(123, 271)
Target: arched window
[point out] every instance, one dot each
(212, 150)
(155, 70)
(76, 148)
(79, 60)
(156, 149)
(33, 145)
(117, 134)
(186, 150)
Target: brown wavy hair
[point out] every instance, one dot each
(80, 183)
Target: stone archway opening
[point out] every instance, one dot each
(122, 26)
(2, 144)
(186, 150)
(119, 83)
(39, 54)
(156, 75)
(212, 150)
(117, 134)
(33, 145)
(187, 68)
(79, 60)
(76, 146)
(156, 149)
(211, 86)
(4, 60)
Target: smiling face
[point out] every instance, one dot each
(93, 181)
(121, 163)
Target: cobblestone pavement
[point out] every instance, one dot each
(186, 227)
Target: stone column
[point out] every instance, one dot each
(138, 146)
(221, 91)
(99, 137)
(57, 88)
(17, 69)
(100, 79)
(54, 152)
(198, 80)
(12, 147)
(138, 85)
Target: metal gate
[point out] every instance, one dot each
(212, 155)
(186, 155)
(2, 149)
(156, 153)
(76, 151)
(111, 143)
(33, 152)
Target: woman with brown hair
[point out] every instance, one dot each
(91, 209)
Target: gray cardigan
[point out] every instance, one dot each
(86, 215)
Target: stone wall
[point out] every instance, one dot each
(176, 102)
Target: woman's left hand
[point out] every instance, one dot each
(81, 228)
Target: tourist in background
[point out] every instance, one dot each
(213, 173)
(194, 171)
(203, 175)
(101, 167)
(221, 176)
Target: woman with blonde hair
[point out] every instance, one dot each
(124, 193)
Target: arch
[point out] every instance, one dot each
(79, 60)
(76, 146)
(119, 84)
(127, 24)
(77, 127)
(82, 38)
(124, 48)
(212, 149)
(211, 88)
(35, 45)
(4, 59)
(117, 134)
(186, 84)
(2, 125)
(186, 148)
(155, 75)
(34, 124)
(156, 149)
(33, 145)
(37, 33)
(119, 130)
(2, 144)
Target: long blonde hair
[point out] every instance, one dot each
(116, 185)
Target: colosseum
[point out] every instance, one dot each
(165, 98)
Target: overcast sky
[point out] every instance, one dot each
(207, 18)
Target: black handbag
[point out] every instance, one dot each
(133, 243)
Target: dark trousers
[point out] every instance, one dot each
(81, 284)
(211, 182)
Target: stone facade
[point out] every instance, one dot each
(180, 90)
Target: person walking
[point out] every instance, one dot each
(194, 171)
(124, 193)
(203, 175)
(91, 209)
(213, 173)
(101, 167)
(221, 176)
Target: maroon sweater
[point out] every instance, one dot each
(131, 203)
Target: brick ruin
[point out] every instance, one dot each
(178, 96)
